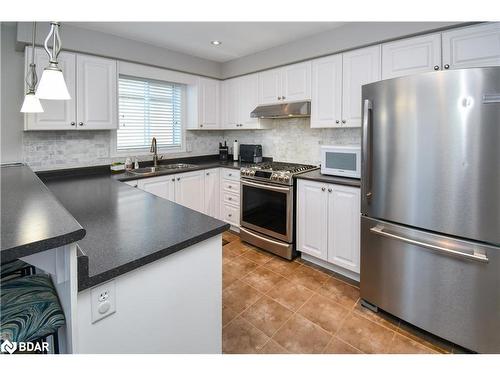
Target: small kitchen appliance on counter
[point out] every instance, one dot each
(342, 161)
(223, 151)
(251, 153)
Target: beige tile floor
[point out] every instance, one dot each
(271, 305)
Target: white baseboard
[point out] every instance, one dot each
(332, 267)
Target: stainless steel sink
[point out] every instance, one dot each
(152, 170)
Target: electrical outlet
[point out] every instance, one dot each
(103, 301)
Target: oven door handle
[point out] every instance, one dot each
(267, 187)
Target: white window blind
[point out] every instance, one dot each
(148, 109)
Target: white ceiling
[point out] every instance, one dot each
(193, 38)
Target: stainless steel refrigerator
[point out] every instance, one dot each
(430, 223)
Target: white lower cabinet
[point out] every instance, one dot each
(230, 196)
(187, 189)
(328, 223)
(212, 192)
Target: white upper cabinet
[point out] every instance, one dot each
(208, 103)
(344, 226)
(312, 218)
(296, 82)
(92, 85)
(57, 114)
(473, 46)
(359, 67)
(212, 192)
(96, 93)
(326, 98)
(239, 98)
(411, 56)
(270, 86)
(290, 83)
(248, 100)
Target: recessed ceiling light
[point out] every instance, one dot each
(215, 42)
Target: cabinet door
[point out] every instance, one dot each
(57, 114)
(326, 103)
(411, 56)
(344, 226)
(270, 86)
(96, 93)
(296, 82)
(231, 103)
(163, 187)
(248, 100)
(473, 46)
(208, 102)
(360, 67)
(212, 192)
(312, 218)
(190, 190)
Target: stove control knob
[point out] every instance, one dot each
(282, 178)
(287, 178)
(251, 173)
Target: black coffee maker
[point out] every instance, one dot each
(223, 151)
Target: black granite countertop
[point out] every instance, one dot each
(32, 219)
(126, 227)
(317, 176)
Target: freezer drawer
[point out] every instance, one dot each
(445, 286)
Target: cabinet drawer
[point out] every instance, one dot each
(230, 198)
(231, 186)
(231, 214)
(231, 174)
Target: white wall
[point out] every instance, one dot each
(11, 121)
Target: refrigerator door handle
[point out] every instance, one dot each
(367, 174)
(473, 254)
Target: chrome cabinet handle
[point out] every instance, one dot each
(208, 174)
(229, 199)
(366, 156)
(73, 123)
(229, 186)
(229, 215)
(178, 178)
(470, 256)
(436, 67)
(329, 190)
(80, 123)
(283, 98)
(337, 121)
(447, 66)
(343, 121)
(201, 125)
(173, 179)
(323, 189)
(229, 174)
(279, 97)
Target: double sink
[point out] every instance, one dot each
(160, 168)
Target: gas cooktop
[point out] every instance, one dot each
(275, 172)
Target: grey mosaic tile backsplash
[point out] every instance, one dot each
(288, 140)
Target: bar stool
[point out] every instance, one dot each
(30, 310)
(16, 268)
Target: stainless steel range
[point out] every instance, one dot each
(267, 206)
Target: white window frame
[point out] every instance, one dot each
(164, 75)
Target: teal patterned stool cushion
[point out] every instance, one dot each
(11, 267)
(29, 308)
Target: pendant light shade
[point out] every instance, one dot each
(31, 104)
(52, 85)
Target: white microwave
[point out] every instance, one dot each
(343, 161)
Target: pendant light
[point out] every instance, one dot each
(31, 103)
(52, 85)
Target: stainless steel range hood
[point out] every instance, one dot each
(284, 110)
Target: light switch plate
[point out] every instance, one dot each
(103, 300)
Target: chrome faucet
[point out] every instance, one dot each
(154, 150)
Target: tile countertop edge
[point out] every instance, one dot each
(86, 282)
(317, 176)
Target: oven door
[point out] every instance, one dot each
(267, 209)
